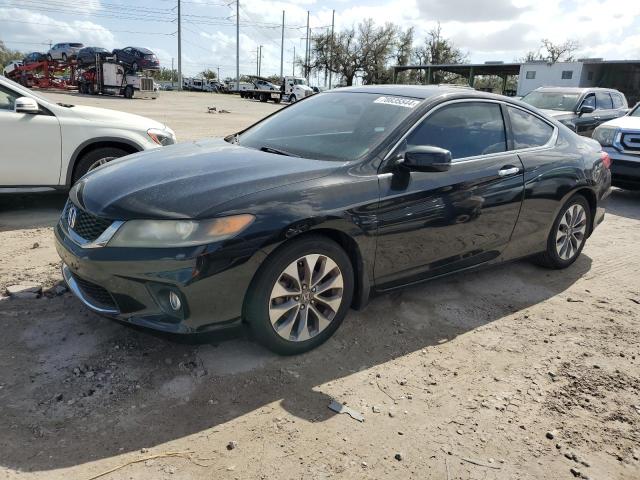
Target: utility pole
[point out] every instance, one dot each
(238, 45)
(257, 61)
(179, 50)
(306, 51)
(293, 64)
(282, 47)
(260, 62)
(333, 19)
(218, 73)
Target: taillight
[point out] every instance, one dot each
(606, 159)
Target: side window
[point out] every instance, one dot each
(567, 74)
(531, 74)
(603, 101)
(528, 130)
(465, 129)
(617, 100)
(590, 101)
(7, 99)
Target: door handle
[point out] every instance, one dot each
(506, 171)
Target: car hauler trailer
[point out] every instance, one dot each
(111, 78)
(45, 74)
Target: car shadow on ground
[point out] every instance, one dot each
(30, 210)
(624, 203)
(77, 387)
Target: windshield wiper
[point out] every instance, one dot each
(277, 151)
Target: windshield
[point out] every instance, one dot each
(300, 81)
(330, 126)
(552, 100)
(636, 111)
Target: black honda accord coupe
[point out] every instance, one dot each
(286, 225)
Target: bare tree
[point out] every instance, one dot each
(438, 50)
(559, 51)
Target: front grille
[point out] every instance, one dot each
(631, 141)
(96, 293)
(146, 84)
(87, 226)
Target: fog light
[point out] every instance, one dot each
(174, 301)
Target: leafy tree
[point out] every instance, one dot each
(165, 75)
(208, 74)
(7, 55)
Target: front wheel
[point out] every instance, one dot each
(96, 158)
(128, 91)
(292, 99)
(300, 295)
(568, 234)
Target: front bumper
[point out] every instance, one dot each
(133, 285)
(625, 168)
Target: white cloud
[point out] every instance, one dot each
(27, 28)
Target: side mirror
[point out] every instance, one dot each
(427, 159)
(586, 109)
(26, 105)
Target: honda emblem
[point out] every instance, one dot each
(71, 217)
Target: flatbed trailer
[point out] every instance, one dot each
(262, 95)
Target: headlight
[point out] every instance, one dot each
(605, 135)
(162, 137)
(178, 233)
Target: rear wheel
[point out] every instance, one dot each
(64, 57)
(568, 234)
(50, 58)
(300, 295)
(96, 158)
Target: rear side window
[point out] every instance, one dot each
(617, 100)
(465, 129)
(528, 130)
(603, 101)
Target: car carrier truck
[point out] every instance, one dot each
(108, 77)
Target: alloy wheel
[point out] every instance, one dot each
(306, 297)
(571, 232)
(99, 163)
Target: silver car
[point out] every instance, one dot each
(64, 51)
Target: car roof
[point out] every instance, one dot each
(573, 89)
(418, 91)
(142, 49)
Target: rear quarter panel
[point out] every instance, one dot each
(551, 177)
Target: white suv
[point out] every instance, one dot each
(64, 51)
(52, 145)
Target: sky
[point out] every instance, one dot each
(487, 30)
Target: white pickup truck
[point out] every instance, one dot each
(47, 144)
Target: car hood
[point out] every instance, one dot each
(188, 180)
(558, 114)
(104, 115)
(626, 122)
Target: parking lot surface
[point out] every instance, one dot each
(509, 372)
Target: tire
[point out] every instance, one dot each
(91, 89)
(263, 97)
(82, 88)
(292, 99)
(64, 57)
(90, 160)
(262, 299)
(128, 91)
(49, 58)
(574, 217)
(134, 66)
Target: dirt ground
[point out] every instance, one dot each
(463, 378)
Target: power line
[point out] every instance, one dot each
(62, 24)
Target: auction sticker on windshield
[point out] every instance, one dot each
(398, 101)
